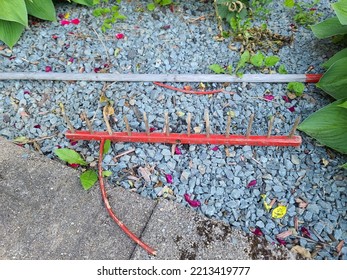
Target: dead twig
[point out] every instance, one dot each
(123, 154)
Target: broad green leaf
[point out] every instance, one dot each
(340, 9)
(271, 60)
(10, 32)
(289, 3)
(282, 69)
(296, 87)
(151, 6)
(329, 126)
(279, 212)
(329, 27)
(165, 2)
(336, 57)
(70, 156)
(106, 173)
(344, 166)
(88, 179)
(84, 2)
(243, 60)
(343, 105)
(14, 10)
(107, 147)
(334, 81)
(41, 9)
(257, 59)
(216, 68)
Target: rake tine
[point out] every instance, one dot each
(207, 120)
(189, 119)
(249, 128)
(127, 125)
(271, 122)
(146, 122)
(167, 126)
(295, 126)
(227, 130)
(88, 123)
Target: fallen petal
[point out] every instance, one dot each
(252, 183)
(120, 36)
(97, 69)
(269, 97)
(178, 151)
(292, 109)
(75, 21)
(48, 69)
(55, 37)
(305, 232)
(286, 98)
(166, 27)
(215, 148)
(152, 129)
(169, 178)
(64, 22)
(71, 59)
(340, 246)
(37, 126)
(74, 165)
(281, 241)
(27, 92)
(73, 143)
(257, 231)
(193, 203)
(284, 234)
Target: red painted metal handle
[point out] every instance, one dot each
(178, 138)
(313, 78)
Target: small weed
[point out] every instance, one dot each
(155, 3)
(296, 88)
(305, 13)
(110, 14)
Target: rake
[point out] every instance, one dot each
(166, 136)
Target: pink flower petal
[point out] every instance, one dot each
(61, 16)
(97, 69)
(73, 143)
(292, 109)
(71, 59)
(152, 129)
(27, 92)
(75, 21)
(305, 232)
(193, 203)
(55, 37)
(37, 126)
(120, 36)
(252, 183)
(64, 22)
(286, 98)
(166, 27)
(178, 151)
(257, 231)
(48, 69)
(281, 241)
(169, 178)
(269, 97)
(215, 148)
(74, 165)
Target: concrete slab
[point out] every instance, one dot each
(180, 233)
(45, 213)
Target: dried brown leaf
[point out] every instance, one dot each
(145, 173)
(296, 223)
(273, 201)
(301, 251)
(339, 247)
(284, 234)
(134, 178)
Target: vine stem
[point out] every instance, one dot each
(110, 211)
(188, 91)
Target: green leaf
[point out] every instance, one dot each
(343, 105)
(340, 9)
(84, 2)
(216, 68)
(344, 166)
(289, 3)
(336, 57)
(151, 6)
(282, 69)
(334, 81)
(329, 27)
(243, 60)
(329, 126)
(296, 87)
(165, 2)
(271, 61)
(106, 173)
(14, 10)
(107, 147)
(88, 179)
(70, 156)
(10, 32)
(257, 59)
(41, 9)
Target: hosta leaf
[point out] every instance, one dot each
(70, 156)
(14, 10)
(41, 9)
(10, 32)
(343, 105)
(344, 166)
(84, 2)
(340, 9)
(88, 179)
(329, 27)
(336, 57)
(334, 81)
(329, 126)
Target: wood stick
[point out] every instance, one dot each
(146, 122)
(189, 119)
(66, 119)
(205, 78)
(227, 129)
(207, 121)
(108, 126)
(127, 125)
(249, 128)
(123, 154)
(88, 123)
(271, 122)
(167, 126)
(295, 126)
